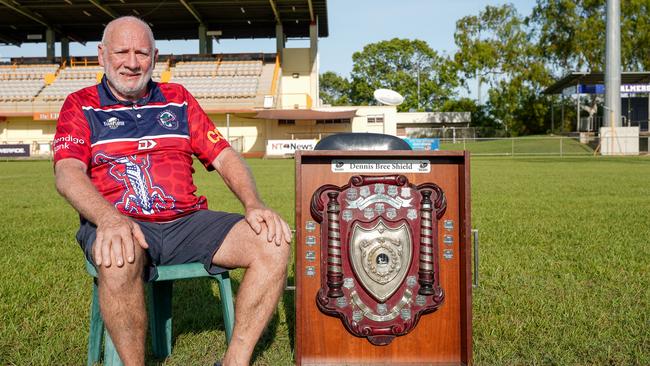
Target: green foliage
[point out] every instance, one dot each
(481, 118)
(334, 89)
(514, 57)
(572, 33)
(395, 65)
(496, 47)
(491, 44)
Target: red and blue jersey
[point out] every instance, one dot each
(139, 155)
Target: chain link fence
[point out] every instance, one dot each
(585, 145)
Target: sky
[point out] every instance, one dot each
(352, 25)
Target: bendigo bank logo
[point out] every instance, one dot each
(168, 120)
(64, 142)
(215, 136)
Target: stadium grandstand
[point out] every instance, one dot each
(258, 100)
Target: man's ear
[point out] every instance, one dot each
(155, 56)
(100, 54)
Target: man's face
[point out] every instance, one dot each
(128, 58)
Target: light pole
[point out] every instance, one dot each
(418, 78)
(613, 64)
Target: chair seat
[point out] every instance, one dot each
(171, 272)
(159, 304)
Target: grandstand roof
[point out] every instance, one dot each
(24, 21)
(593, 78)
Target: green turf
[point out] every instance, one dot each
(532, 145)
(564, 267)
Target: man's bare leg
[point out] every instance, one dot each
(121, 300)
(259, 292)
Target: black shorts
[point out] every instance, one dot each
(192, 238)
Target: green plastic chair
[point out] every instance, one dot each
(159, 303)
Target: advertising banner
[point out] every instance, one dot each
(424, 143)
(288, 147)
(20, 150)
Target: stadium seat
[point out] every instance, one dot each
(159, 303)
(362, 141)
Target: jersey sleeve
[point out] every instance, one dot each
(206, 140)
(72, 137)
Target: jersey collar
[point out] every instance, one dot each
(106, 97)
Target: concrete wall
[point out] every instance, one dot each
(245, 134)
(360, 122)
(295, 91)
(24, 130)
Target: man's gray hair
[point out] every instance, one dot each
(129, 18)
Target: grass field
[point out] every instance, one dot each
(565, 267)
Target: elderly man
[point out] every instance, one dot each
(123, 159)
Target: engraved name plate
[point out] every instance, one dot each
(420, 300)
(310, 271)
(310, 226)
(405, 314)
(310, 255)
(357, 315)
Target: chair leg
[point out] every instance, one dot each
(160, 317)
(111, 357)
(96, 329)
(227, 307)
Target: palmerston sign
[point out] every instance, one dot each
(19, 150)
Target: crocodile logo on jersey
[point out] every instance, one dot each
(141, 195)
(168, 120)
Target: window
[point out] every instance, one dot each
(376, 118)
(286, 122)
(332, 121)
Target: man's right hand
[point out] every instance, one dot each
(117, 236)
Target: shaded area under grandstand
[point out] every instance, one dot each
(28, 20)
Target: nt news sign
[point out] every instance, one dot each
(288, 147)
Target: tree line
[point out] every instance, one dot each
(513, 57)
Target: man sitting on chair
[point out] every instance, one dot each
(123, 159)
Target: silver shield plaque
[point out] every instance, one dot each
(364, 192)
(310, 226)
(380, 257)
(391, 213)
(369, 213)
(347, 215)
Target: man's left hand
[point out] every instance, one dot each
(277, 229)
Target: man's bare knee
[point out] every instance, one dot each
(273, 258)
(124, 277)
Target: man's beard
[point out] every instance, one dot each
(113, 76)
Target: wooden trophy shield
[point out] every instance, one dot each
(382, 265)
